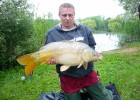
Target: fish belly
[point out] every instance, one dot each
(69, 59)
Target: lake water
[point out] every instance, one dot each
(106, 42)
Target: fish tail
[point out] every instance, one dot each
(25, 60)
(29, 62)
(30, 67)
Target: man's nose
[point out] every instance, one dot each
(67, 17)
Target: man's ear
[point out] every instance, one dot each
(59, 14)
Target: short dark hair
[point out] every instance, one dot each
(66, 5)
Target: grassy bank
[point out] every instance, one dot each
(123, 69)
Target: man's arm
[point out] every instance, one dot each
(91, 39)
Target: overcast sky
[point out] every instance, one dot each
(84, 8)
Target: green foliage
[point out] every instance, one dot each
(96, 23)
(127, 24)
(131, 6)
(89, 22)
(114, 26)
(15, 29)
(101, 23)
(132, 26)
(41, 25)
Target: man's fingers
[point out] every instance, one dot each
(52, 61)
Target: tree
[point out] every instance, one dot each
(114, 26)
(131, 6)
(132, 26)
(101, 24)
(89, 22)
(16, 27)
(41, 25)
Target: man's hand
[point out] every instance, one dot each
(52, 61)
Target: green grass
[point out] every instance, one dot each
(124, 71)
(13, 88)
(121, 69)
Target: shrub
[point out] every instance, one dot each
(16, 27)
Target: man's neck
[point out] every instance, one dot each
(68, 28)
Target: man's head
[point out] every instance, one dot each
(67, 14)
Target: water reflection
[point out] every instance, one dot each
(106, 42)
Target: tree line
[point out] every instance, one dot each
(22, 32)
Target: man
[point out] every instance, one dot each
(74, 79)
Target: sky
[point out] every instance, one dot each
(83, 8)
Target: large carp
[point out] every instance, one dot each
(67, 53)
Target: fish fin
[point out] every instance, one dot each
(25, 60)
(85, 65)
(80, 64)
(29, 62)
(42, 63)
(64, 68)
(30, 67)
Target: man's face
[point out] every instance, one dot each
(67, 17)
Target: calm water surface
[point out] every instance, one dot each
(106, 42)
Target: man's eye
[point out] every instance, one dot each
(70, 15)
(64, 15)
